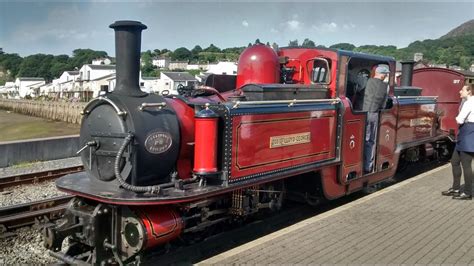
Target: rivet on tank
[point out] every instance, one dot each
(205, 144)
(258, 64)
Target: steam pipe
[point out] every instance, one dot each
(128, 36)
(407, 73)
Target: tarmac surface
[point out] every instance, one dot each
(407, 223)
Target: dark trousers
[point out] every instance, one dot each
(370, 139)
(461, 159)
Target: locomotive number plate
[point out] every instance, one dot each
(288, 140)
(158, 142)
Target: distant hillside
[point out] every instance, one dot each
(464, 29)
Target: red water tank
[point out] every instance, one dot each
(258, 64)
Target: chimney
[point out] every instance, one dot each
(407, 73)
(128, 35)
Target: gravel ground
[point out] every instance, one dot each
(33, 192)
(26, 245)
(39, 166)
(28, 193)
(24, 248)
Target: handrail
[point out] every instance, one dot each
(289, 102)
(146, 105)
(418, 97)
(101, 98)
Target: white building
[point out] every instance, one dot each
(149, 84)
(161, 62)
(9, 90)
(418, 57)
(223, 68)
(169, 81)
(201, 67)
(101, 61)
(24, 85)
(89, 89)
(47, 90)
(92, 72)
(69, 76)
(178, 65)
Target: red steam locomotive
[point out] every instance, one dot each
(158, 166)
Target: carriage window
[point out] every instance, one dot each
(320, 71)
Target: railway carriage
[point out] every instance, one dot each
(158, 167)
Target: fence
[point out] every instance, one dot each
(59, 111)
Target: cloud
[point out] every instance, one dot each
(325, 27)
(348, 26)
(245, 23)
(273, 30)
(59, 24)
(294, 25)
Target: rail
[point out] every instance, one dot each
(32, 178)
(25, 214)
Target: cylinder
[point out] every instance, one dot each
(151, 227)
(407, 73)
(205, 143)
(258, 64)
(128, 36)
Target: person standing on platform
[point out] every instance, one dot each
(375, 96)
(464, 151)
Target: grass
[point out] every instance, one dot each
(15, 126)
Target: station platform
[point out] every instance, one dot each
(407, 223)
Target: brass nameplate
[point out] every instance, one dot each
(288, 140)
(423, 121)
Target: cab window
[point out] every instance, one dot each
(320, 71)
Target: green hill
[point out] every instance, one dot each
(464, 29)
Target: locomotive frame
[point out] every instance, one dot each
(286, 127)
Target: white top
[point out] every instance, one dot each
(467, 111)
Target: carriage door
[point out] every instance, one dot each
(386, 139)
(352, 144)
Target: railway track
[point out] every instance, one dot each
(32, 178)
(26, 214)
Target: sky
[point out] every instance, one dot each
(59, 27)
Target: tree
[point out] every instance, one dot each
(293, 43)
(11, 62)
(212, 48)
(196, 50)
(85, 56)
(308, 43)
(182, 54)
(147, 67)
(343, 46)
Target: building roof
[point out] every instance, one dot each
(161, 58)
(102, 67)
(466, 73)
(104, 77)
(179, 76)
(150, 78)
(30, 79)
(37, 84)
